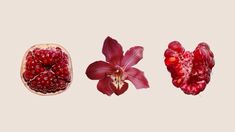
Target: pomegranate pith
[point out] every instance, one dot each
(46, 69)
(190, 71)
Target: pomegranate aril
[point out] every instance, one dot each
(169, 53)
(177, 82)
(27, 75)
(171, 60)
(176, 46)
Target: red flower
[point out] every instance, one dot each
(117, 68)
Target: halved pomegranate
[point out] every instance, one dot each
(46, 69)
(190, 71)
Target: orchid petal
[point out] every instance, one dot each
(112, 50)
(104, 86)
(98, 70)
(132, 56)
(137, 78)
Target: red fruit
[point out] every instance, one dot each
(190, 71)
(46, 69)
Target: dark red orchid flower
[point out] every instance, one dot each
(117, 68)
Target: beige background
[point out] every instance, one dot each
(81, 27)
